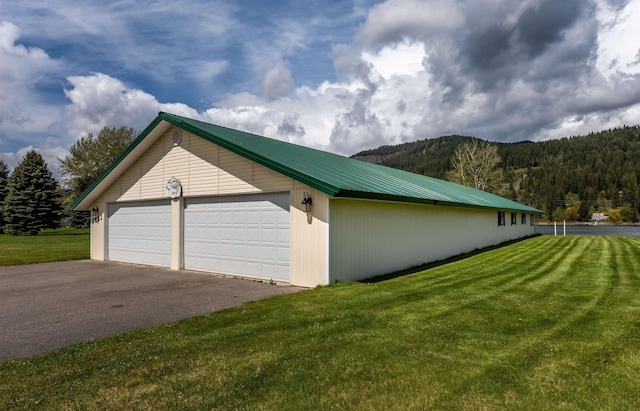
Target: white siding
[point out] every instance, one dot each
(309, 239)
(202, 167)
(370, 238)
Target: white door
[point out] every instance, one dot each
(140, 232)
(246, 235)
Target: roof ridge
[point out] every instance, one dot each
(334, 174)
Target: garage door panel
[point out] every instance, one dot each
(246, 235)
(140, 233)
(283, 236)
(255, 235)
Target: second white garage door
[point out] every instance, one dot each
(245, 235)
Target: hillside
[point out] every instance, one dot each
(569, 178)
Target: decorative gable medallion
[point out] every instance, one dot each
(173, 189)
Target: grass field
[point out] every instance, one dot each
(546, 323)
(50, 245)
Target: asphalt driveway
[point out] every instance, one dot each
(47, 306)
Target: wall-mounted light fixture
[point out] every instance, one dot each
(306, 202)
(95, 215)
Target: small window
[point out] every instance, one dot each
(501, 218)
(514, 218)
(531, 219)
(523, 218)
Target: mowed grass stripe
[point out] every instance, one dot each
(470, 272)
(540, 324)
(625, 257)
(537, 351)
(562, 312)
(529, 347)
(480, 285)
(557, 254)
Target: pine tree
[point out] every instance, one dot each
(4, 176)
(32, 201)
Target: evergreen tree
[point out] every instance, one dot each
(4, 176)
(32, 201)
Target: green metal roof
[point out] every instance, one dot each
(332, 174)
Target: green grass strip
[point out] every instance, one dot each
(545, 323)
(50, 245)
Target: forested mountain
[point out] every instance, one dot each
(569, 178)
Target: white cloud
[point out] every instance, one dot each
(133, 36)
(346, 59)
(400, 59)
(98, 100)
(277, 81)
(614, 55)
(21, 70)
(416, 19)
(205, 71)
(24, 116)
(362, 110)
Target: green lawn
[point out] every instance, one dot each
(50, 245)
(546, 323)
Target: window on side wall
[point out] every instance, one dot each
(501, 218)
(514, 218)
(523, 218)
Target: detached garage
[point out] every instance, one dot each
(192, 195)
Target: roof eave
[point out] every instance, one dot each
(414, 200)
(83, 202)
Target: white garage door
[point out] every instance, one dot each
(140, 232)
(245, 235)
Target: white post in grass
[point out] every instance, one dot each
(555, 232)
(564, 227)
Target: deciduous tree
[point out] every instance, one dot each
(32, 201)
(476, 164)
(88, 158)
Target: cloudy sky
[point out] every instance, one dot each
(342, 76)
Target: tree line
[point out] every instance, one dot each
(569, 178)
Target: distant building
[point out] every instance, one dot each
(599, 217)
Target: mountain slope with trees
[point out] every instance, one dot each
(568, 178)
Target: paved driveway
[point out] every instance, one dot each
(47, 306)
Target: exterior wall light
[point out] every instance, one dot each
(306, 202)
(95, 215)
